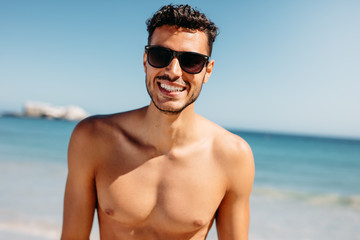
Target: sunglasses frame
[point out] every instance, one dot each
(178, 56)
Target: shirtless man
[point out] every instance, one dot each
(162, 171)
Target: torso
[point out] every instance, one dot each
(143, 194)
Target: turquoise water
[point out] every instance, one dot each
(305, 188)
(308, 165)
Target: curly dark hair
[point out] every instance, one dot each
(182, 16)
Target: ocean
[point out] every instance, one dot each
(305, 187)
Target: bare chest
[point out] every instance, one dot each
(168, 194)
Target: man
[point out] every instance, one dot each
(162, 171)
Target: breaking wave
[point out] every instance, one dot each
(352, 201)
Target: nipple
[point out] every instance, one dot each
(198, 223)
(109, 212)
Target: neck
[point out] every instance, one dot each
(168, 131)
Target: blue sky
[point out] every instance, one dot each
(280, 66)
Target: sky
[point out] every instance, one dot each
(280, 66)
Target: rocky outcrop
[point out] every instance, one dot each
(46, 110)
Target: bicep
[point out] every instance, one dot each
(79, 206)
(232, 220)
(80, 192)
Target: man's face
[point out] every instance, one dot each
(171, 89)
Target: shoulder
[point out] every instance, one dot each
(236, 158)
(100, 131)
(226, 145)
(90, 130)
(85, 139)
(232, 148)
(99, 126)
(93, 125)
(97, 132)
(94, 138)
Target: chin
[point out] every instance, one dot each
(170, 109)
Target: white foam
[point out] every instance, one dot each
(283, 219)
(352, 201)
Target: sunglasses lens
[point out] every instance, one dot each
(192, 62)
(159, 57)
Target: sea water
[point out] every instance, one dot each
(305, 187)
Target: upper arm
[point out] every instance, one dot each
(80, 193)
(233, 215)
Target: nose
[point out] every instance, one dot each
(174, 69)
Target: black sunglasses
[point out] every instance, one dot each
(190, 62)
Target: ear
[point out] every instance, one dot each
(209, 68)
(144, 61)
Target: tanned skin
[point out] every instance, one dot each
(162, 171)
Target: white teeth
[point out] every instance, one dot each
(171, 88)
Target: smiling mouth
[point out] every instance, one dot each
(170, 88)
